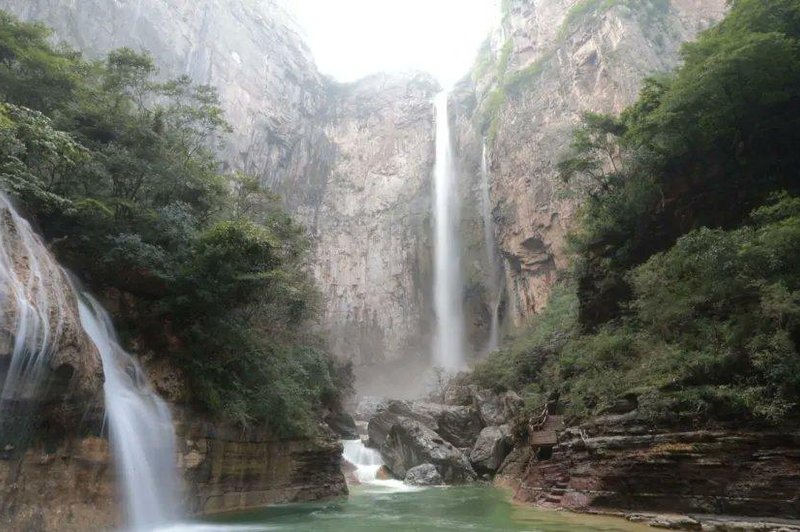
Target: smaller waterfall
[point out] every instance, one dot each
(492, 259)
(141, 430)
(367, 462)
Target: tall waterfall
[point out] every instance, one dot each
(141, 430)
(494, 282)
(447, 285)
(36, 301)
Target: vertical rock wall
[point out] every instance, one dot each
(550, 61)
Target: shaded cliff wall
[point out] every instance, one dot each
(550, 61)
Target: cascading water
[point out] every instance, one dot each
(366, 460)
(367, 463)
(447, 286)
(494, 282)
(141, 430)
(35, 298)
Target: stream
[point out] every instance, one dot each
(370, 508)
(376, 505)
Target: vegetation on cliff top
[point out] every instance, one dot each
(685, 294)
(117, 169)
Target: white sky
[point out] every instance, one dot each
(353, 38)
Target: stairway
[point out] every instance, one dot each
(546, 434)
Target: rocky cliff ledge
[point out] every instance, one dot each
(621, 464)
(69, 483)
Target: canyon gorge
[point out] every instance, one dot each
(386, 174)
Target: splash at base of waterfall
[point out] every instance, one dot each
(368, 462)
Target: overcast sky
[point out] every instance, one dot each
(353, 38)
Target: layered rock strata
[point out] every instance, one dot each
(621, 464)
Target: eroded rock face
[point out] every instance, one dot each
(410, 444)
(624, 464)
(545, 66)
(352, 161)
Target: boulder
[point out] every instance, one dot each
(343, 425)
(492, 447)
(423, 475)
(458, 425)
(410, 444)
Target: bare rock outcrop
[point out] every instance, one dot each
(549, 62)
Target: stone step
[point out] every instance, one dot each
(555, 499)
(559, 491)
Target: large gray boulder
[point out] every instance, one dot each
(424, 475)
(492, 447)
(458, 425)
(410, 444)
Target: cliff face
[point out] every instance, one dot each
(249, 51)
(373, 249)
(549, 62)
(352, 161)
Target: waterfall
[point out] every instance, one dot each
(493, 275)
(33, 300)
(141, 429)
(447, 287)
(367, 461)
(36, 305)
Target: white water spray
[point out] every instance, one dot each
(494, 282)
(367, 462)
(141, 430)
(447, 286)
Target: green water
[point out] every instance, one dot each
(448, 509)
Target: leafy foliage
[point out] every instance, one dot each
(119, 172)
